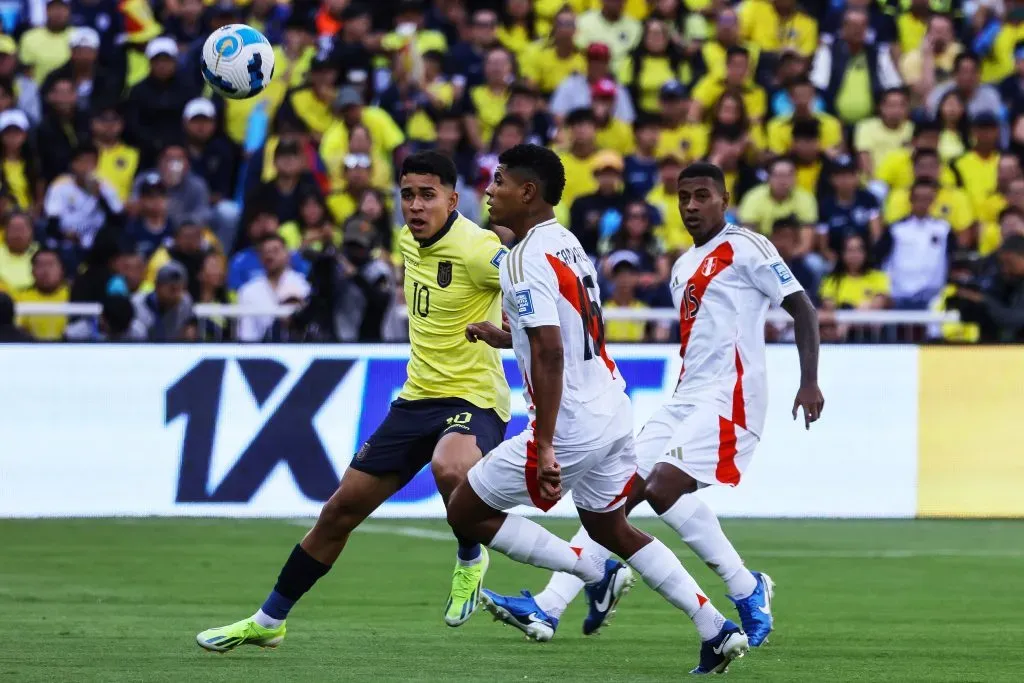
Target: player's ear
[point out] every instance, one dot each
(528, 190)
(725, 200)
(453, 201)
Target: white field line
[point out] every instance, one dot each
(824, 554)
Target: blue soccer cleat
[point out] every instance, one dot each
(756, 610)
(604, 595)
(716, 654)
(523, 613)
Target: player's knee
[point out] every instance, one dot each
(338, 518)
(665, 486)
(448, 473)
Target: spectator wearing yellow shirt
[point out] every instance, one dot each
(485, 104)
(802, 94)
(611, 26)
(951, 203)
(1007, 174)
(19, 172)
(780, 198)
(896, 171)
(48, 287)
(686, 140)
(624, 283)
(518, 26)
(44, 48)
(729, 120)
(311, 104)
(16, 253)
(547, 63)
(912, 25)
(655, 61)
(118, 162)
(672, 232)
(997, 59)
(955, 127)
(978, 168)
(778, 25)
(891, 130)
(358, 172)
(810, 161)
(854, 283)
(727, 35)
(385, 135)
(594, 216)
(612, 133)
(577, 160)
(710, 88)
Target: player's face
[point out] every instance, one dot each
(426, 204)
(702, 206)
(504, 196)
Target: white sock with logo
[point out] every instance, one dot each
(700, 529)
(663, 572)
(526, 541)
(563, 587)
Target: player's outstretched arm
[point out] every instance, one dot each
(490, 334)
(546, 364)
(808, 342)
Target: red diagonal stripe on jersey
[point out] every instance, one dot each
(569, 288)
(532, 485)
(722, 256)
(627, 489)
(739, 408)
(726, 472)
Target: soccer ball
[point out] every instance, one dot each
(238, 61)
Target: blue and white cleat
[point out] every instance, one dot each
(604, 595)
(523, 613)
(756, 610)
(716, 654)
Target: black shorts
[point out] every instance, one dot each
(404, 442)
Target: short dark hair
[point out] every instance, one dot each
(736, 50)
(779, 160)
(807, 129)
(1014, 244)
(520, 88)
(965, 57)
(789, 222)
(926, 125)
(799, 81)
(511, 120)
(541, 165)
(923, 154)
(924, 182)
(581, 115)
(704, 169)
(431, 163)
(46, 250)
(897, 90)
(646, 120)
(288, 148)
(272, 237)
(118, 312)
(85, 148)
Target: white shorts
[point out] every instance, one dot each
(710, 448)
(599, 478)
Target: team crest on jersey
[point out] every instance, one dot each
(707, 269)
(499, 257)
(444, 273)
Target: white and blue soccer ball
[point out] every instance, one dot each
(238, 61)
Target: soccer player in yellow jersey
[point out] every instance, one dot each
(453, 407)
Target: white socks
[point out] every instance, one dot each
(265, 620)
(662, 571)
(699, 528)
(526, 541)
(564, 587)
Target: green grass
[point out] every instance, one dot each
(121, 600)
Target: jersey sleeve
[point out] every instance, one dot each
(484, 260)
(770, 275)
(535, 287)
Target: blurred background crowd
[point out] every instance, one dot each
(878, 145)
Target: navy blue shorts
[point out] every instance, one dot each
(404, 442)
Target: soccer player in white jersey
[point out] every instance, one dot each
(580, 436)
(706, 432)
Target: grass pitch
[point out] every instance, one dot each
(121, 600)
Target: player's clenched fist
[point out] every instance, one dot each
(549, 473)
(490, 334)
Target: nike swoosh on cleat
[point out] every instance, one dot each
(533, 619)
(721, 646)
(764, 610)
(606, 599)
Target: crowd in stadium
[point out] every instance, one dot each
(877, 144)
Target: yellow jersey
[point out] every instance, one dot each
(709, 89)
(18, 185)
(451, 281)
(44, 327)
(542, 66)
(951, 205)
(117, 165)
(853, 291)
(579, 181)
(780, 132)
